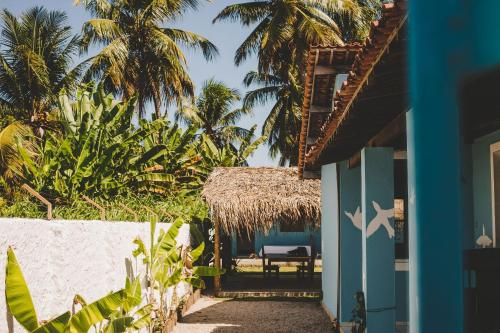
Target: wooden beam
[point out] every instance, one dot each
(310, 141)
(217, 283)
(319, 109)
(324, 70)
(37, 195)
(383, 138)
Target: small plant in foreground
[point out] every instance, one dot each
(125, 310)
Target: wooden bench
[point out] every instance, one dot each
(268, 269)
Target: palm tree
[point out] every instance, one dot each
(140, 55)
(213, 113)
(283, 31)
(35, 60)
(11, 161)
(282, 125)
(285, 28)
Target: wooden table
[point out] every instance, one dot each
(287, 258)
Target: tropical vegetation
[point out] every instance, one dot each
(282, 32)
(70, 129)
(36, 56)
(141, 57)
(127, 310)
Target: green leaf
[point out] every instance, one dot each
(134, 294)
(196, 253)
(141, 248)
(208, 271)
(174, 278)
(141, 323)
(167, 240)
(119, 325)
(56, 325)
(17, 294)
(145, 310)
(156, 177)
(196, 282)
(78, 299)
(95, 312)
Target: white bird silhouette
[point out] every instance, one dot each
(382, 218)
(411, 198)
(356, 219)
(484, 240)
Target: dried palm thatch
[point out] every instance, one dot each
(255, 198)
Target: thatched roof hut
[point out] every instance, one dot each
(254, 198)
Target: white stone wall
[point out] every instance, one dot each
(62, 258)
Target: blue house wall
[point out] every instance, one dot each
(350, 194)
(276, 237)
(329, 231)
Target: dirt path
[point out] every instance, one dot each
(211, 315)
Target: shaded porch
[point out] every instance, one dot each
(249, 201)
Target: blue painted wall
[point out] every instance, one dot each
(329, 234)
(481, 168)
(377, 201)
(276, 237)
(350, 240)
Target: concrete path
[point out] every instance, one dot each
(210, 315)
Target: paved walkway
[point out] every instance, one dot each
(210, 315)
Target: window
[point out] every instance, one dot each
(495, 190)
(401, 209)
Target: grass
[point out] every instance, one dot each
(283, 269)
(146, 208)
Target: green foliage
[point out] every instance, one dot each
(282, 32)
(99, 152)
(141, 54)
(214, 113)
(282, 125)
(189, 207)
(168, 264)
(284, 29)
(17, 295)
(36, 58)
(116, 312)
(12, 137)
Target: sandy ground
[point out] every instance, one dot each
(210, 315)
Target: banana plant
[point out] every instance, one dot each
(99, 151)
(169, 264)
(115, 312)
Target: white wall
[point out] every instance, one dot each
(62, 258)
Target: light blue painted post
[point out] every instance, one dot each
(234, 244)
(329, 236)
(438, 56)
(350, 239)
(412, 230)
(377, 200)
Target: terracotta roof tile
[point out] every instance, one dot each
(366, 56)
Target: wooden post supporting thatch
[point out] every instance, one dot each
(217, 285)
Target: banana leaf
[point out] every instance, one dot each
(96, 312)
(208, 271)
(196, 253)
(119, 325)
(17, 294)
(56, 325)
(134, 294)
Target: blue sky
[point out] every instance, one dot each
(226, 36)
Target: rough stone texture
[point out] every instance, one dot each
(211, 315)
(62, 258)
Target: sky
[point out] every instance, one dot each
(227, 36)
